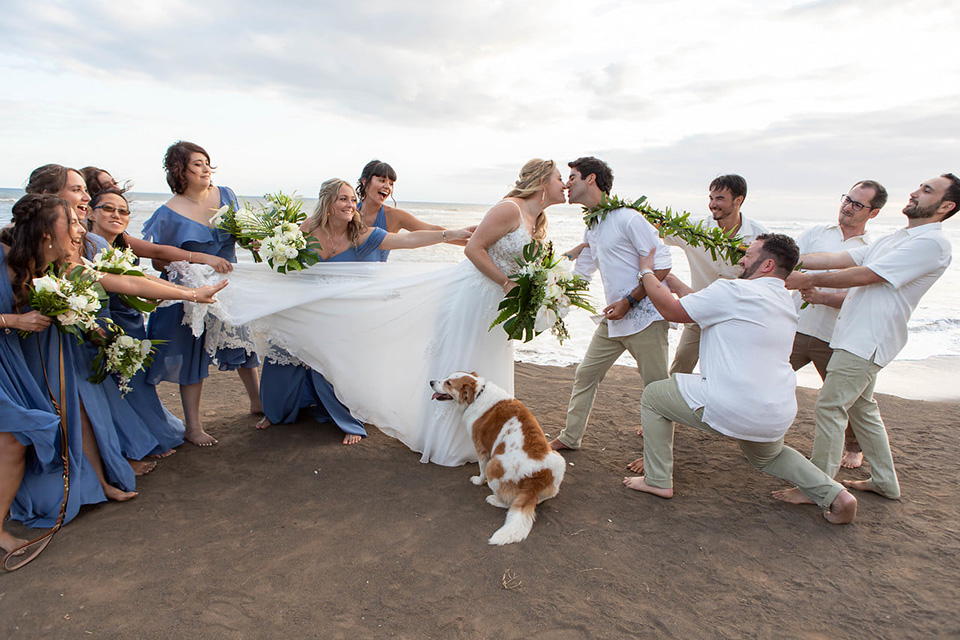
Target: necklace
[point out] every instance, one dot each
(339, 240)
(194, 200)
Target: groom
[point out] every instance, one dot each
(614, 244)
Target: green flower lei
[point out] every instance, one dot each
(715, 240)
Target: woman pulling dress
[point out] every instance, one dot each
(285, 389)
(379, 333)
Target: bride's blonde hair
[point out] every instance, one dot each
(329, 191)
(533, 179)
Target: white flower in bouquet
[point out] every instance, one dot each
(220, 215)
(247, 220)
(68, 318)
(546, 318)
(145, 347)
(125, 341)
(46, 284)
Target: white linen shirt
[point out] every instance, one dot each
(703, 268)
(818, 320)
(746, 387)
(873, 319)
(615, 245)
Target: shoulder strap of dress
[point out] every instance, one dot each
(519, 210)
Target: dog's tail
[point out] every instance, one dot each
(523, 510)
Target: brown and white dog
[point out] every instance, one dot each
(516, 461)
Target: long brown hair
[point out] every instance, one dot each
(321, 214)
(34, 216)
(533, 178)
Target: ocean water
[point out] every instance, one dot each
(934, 328)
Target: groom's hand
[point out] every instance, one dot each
(617, 310)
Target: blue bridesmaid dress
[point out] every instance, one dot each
(381, 223)
(165, 429)
(27, 412)
(183, 359)
(286, 389)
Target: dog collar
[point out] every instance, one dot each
(480, 391)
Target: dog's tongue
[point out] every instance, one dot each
(439, 396)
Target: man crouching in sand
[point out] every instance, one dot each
(746, 388)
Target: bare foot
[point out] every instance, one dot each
(793, 496)
(263, 423)
(169, 452)
(118, 495)
(639, 484)
(8, 543)
(852, 459)
(636, 466)
(351, 438)
(640, 431)
(556, 445)
(256, 408)
(866, 485)
(142, 467)
(201, 439)
(843, 509)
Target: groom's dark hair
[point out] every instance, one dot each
(599, 168)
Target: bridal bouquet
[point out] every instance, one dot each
(543, 296)
(272, 232)
(122, 356)
(122, 262)
(71, 296)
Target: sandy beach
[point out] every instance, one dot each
(288, 533)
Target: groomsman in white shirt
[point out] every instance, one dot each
(727, 194)
(746, 389)
(887, 278)
(613, 244)
(817, 320)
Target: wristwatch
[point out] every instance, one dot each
(633, 301)
(642, 273)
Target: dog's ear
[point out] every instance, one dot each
(466, 389)
(475, 374)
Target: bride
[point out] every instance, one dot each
(380, 332)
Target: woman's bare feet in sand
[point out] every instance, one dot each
(118, 495)
(8, 543)
(636, 466)
(142, 467)
(166, 453)
(200, 438)
(843, 509)
(640, 431)
(639, 484)
(351, 438)
(263, 423)
(851, 459)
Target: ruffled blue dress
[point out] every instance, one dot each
(286, 389)
(183, 359)
(164, 429)
(27, 412)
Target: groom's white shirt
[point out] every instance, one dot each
(614, 247)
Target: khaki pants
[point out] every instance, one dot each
(688, 350)
(648, 348)
(847, 396)
(807, 349)
(662, 404)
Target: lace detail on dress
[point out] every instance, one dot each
(507, 249)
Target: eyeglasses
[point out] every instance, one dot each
(109, 208)
(856, 206)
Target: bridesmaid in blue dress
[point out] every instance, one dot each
(184, 221)
(287, 388)
(373, 188)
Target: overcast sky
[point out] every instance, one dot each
(801, 98)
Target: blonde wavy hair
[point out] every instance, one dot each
(329, 191)
(533, 179)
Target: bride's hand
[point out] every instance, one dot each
(207, 294)
(454, 235)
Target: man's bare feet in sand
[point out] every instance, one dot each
(556, 445)
(200, 438)
(142, 467)
(793, 496)
(843, 509)
(263, 423)
(166, 453)
(8, 543)
(118, 495)
(851, 459)
(866, 485)
(351, 438)
(639, 484)
(636, 466)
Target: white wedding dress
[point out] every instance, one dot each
(378, 332)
